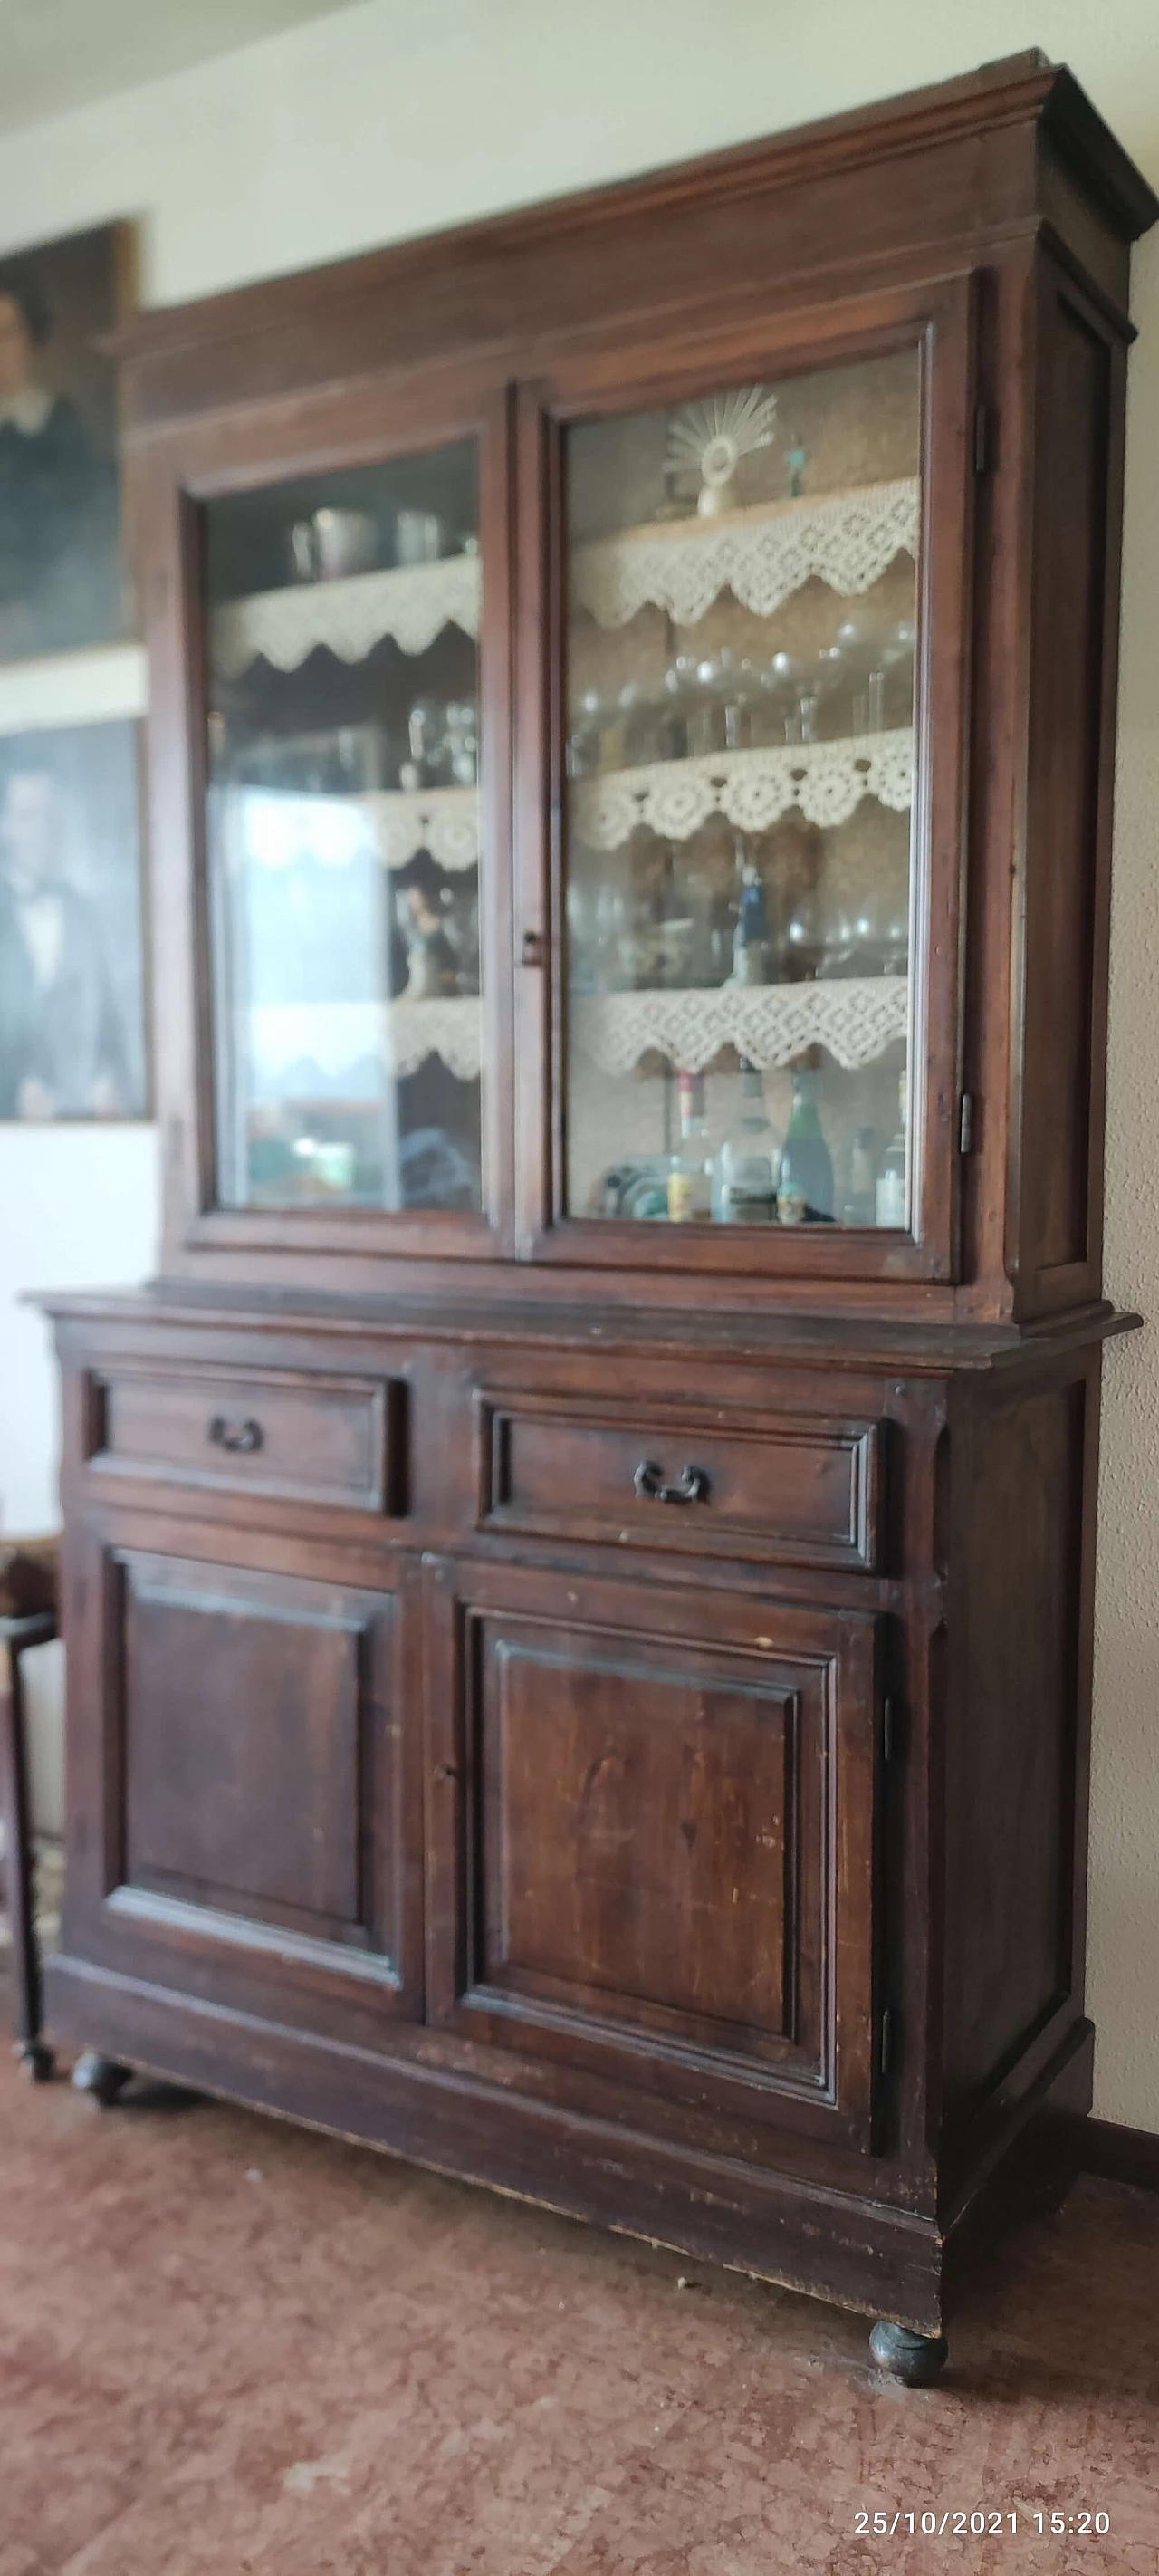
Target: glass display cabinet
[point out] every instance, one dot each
(579, 1570)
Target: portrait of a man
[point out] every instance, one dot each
(62, 581)
(71, 1003)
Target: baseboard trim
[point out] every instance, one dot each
(1119, 2154)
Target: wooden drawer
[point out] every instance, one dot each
(335, 1440)
(804, 1491)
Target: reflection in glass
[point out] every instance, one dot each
(343, 761)
(739, 783)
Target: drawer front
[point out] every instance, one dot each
(329, 1440)
(804, 1491)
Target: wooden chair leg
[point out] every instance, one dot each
(18, 1866)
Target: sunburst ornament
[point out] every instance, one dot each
(714, 435)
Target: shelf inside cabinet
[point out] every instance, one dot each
(825, 781)
(348, 617)
(762, 554)
(441, 820)
(856, 1019)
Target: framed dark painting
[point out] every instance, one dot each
(63, 581)
(72, 949)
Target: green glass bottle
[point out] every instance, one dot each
(805, 1180)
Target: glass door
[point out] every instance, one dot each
(747, 642)
(348, 718)
(343, 841)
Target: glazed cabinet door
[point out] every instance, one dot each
(651, 1839)
(242, 1781)
(742, 727)
(330, 735)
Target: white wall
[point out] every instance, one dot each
(388, 119)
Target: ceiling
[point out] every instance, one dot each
(57, 54)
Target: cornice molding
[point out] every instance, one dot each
(1024, 90)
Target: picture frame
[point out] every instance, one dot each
(73, 941)
(64, 581)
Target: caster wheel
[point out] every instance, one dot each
(102, 2077)
(37, 2060)
(917, 2360)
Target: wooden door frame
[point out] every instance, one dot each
(197, 1946)
(939, 317)
(172, 474)
(459, 1594)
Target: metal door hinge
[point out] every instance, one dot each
(966, 1123)
(981, 440)
(890, 1730)
(886, 2052)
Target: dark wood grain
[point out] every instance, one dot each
(808, 1493)
(330, 1441)
(712, 1868)
(661, 1812)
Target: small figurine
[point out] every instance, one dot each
(714, 435)
(798, 460)
(432, 967)
(750, 948)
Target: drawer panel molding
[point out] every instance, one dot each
(804, 1490)
(311, 1439)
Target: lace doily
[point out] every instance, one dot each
(413, 603)
(452, 1029)
(826, 780)
(770, 1024)
(293, 1044)
(443, 820)
(847, 539)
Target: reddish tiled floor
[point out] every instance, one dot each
(226, 2346)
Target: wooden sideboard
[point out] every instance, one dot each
(594, 1701)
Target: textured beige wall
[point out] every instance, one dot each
(387, 119)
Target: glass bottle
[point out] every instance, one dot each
(750, 947)
(890, 1195)
(805, 1179)
(858, 1205)
(746, 1166)
(690, 1168)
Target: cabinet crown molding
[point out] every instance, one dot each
(1022, 90)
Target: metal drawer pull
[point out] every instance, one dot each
(240, 1438)
(691, 1485)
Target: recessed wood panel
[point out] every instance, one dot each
(1010, 1792)
(652, 1854)
(256, 1753)
(654, 1837)
(320, 1440)
(808, 1490)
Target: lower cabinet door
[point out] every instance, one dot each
(238, 1785)
(651, 1837)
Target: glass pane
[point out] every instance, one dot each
(742, 589)
(344, 837)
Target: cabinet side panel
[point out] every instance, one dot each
(1068, 814)
(1015, 1644)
